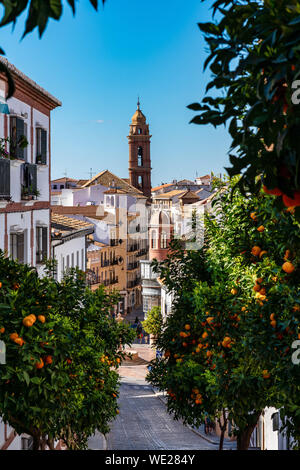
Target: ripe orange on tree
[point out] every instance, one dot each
(256, 250)
(39, 364)
(288, 267)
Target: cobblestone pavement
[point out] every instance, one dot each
(143, 422)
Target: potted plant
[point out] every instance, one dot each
(39, 159)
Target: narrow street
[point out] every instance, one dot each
(143, 422)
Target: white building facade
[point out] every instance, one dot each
(25, 185)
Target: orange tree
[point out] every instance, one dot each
(254, 59)
(62, 351)
(241, 320)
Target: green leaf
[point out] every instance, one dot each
(26, 377)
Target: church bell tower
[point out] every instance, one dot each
(139, 153)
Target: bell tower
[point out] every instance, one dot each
(139, 153)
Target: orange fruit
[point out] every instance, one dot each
(42, 318)
(266, 374)
(253, 215)
(210, 320)
(19, 341)
(2, 330)
(263, 252)
(256, 250)
(288, 267)
(0, 285)
(48, 359)
(261, 228)
(204, 335)
(257, 288)
(273, 323)
(39, 364)
(187, 327)
(234, 291)
(27, 322)
(13, 336)
(226, 341)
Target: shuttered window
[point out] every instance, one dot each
(41, 244)
(17, 132)
(4, 178)
(41, 146)
(29, 179)
(17, 246)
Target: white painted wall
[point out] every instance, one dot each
(63, 252)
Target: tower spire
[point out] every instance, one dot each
(138, 103)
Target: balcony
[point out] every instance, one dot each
(5, 179)
(131, 248)
(142, 252)
(134, 283)
(133, 265)
(29, 187)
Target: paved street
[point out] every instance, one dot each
(143, 422)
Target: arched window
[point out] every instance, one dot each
(153, 239)
(140, 181)
(140, 131)
(163, 240)
(140, 156)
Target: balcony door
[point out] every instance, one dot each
(17, 246)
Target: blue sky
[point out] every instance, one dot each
(98, 63)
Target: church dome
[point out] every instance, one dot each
(138, 117)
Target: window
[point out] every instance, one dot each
(163, 240)
(140, 181)
(17, 246)
(72, 257)
(17, 137)
(153, 239)
(77, 259)
(29, 184)
(82, 260)
(41, 244)
(4, 178)
(140, 156)
(54, 186)
(140, 131)
(41, 146)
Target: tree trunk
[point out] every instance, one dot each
(223, 429)
(243, 437)
(50, 443)
(36, 442)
